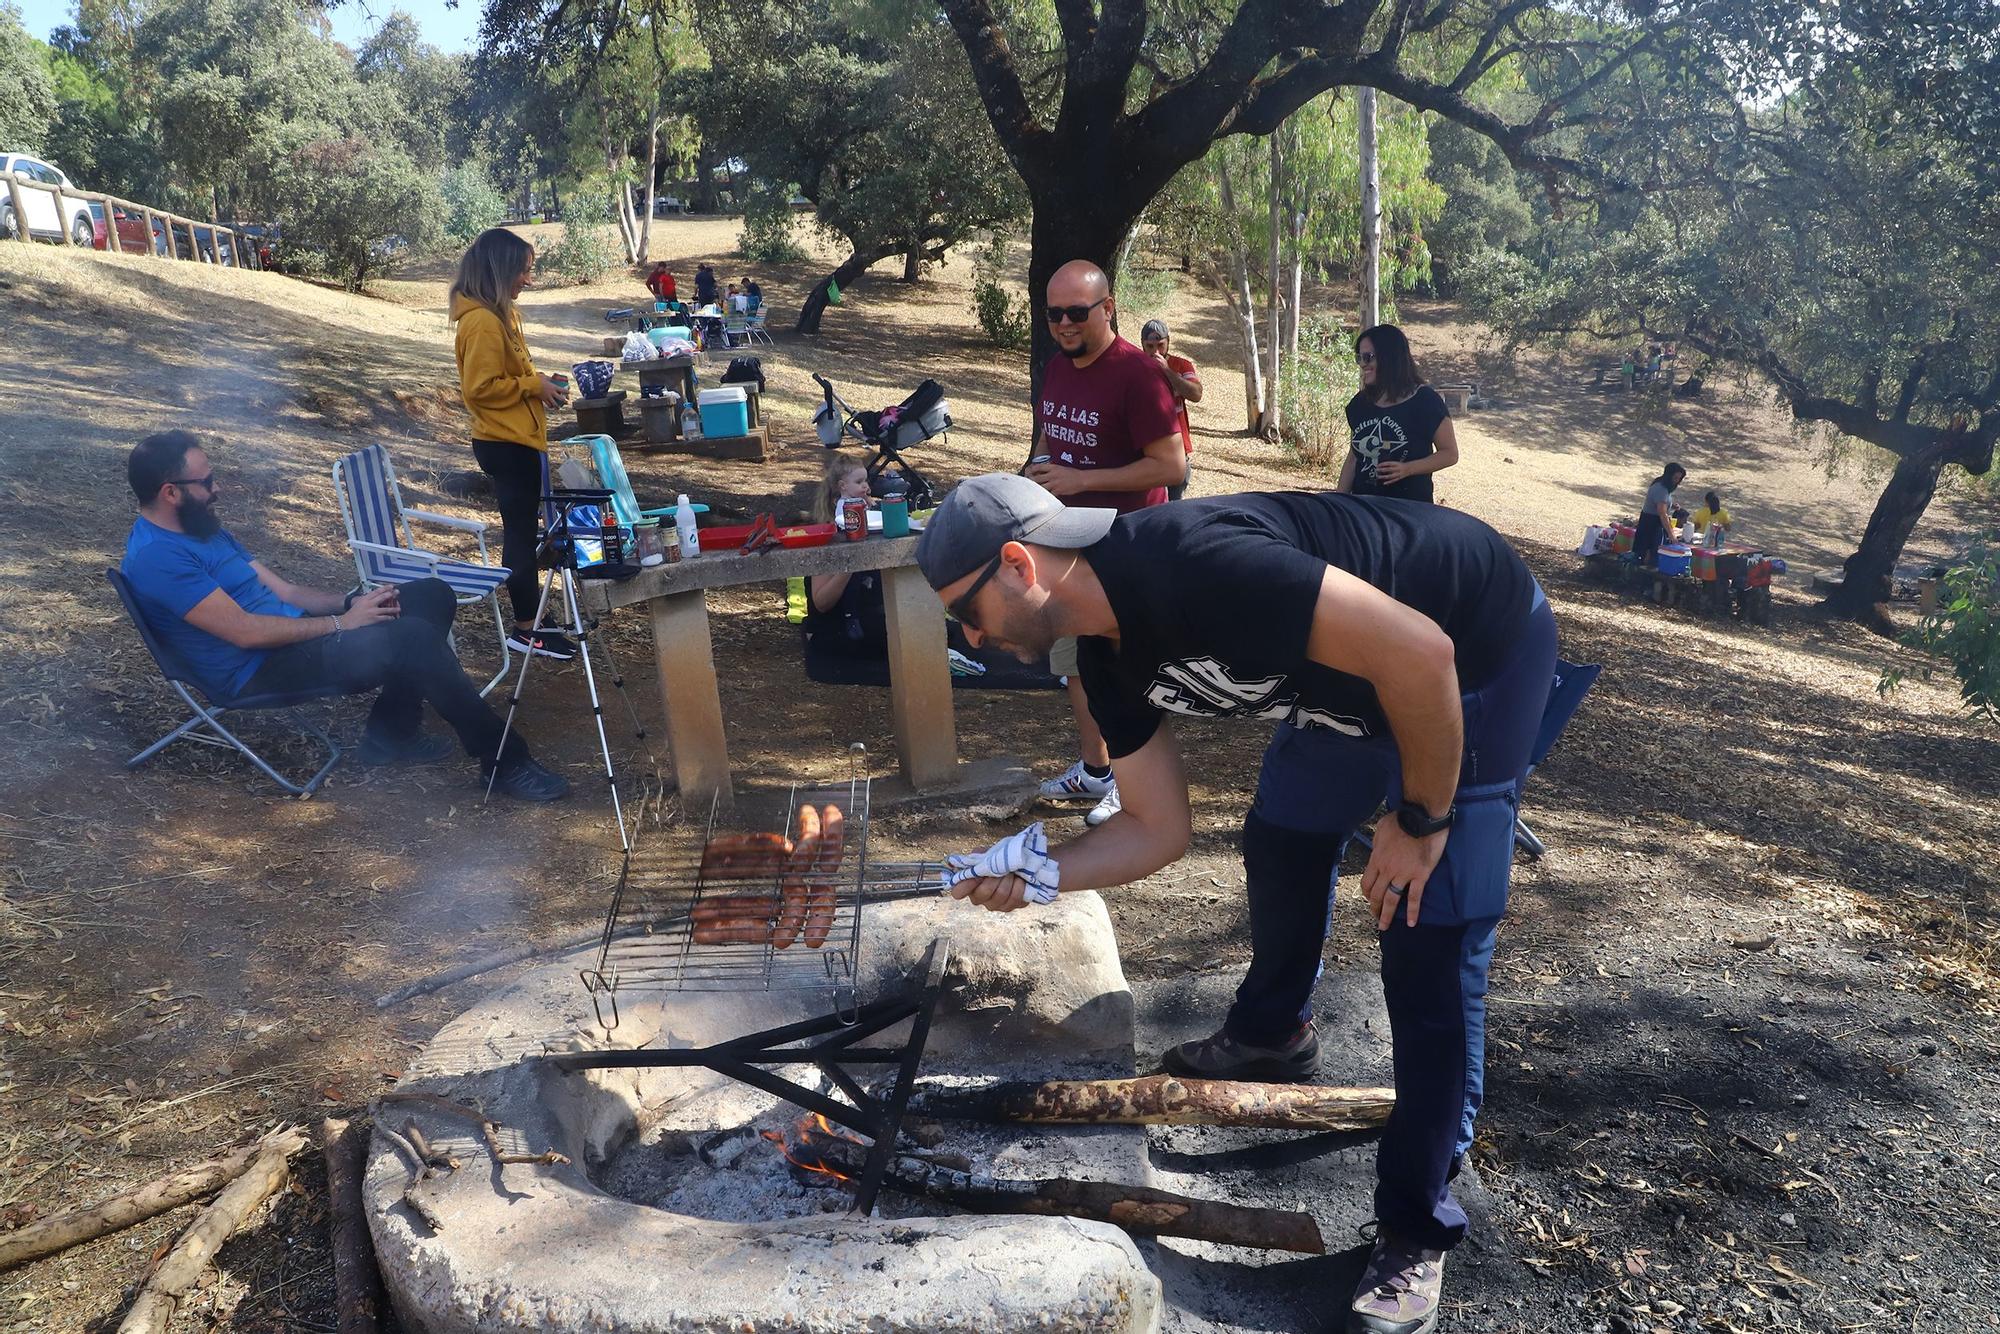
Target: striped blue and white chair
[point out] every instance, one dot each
(378, 533)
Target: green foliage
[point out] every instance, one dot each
(426, 83)
(583, 255)
(769, 234)
(1317, 385)
(1005, 321)
(27, 92)
(472, 203)
(356, 209)
(1484, 212)
(1965, 631)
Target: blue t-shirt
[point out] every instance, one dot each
(171, 572)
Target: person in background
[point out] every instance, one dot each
(1107, 435)
(1656, 517)
(845, 613)
(1711, 513)
(661, 283)
(1403, 432)
(509, 401)
(242, 629)
(753, 291)
(704, 286)
(1183, 381)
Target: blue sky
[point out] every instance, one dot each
(449, 29)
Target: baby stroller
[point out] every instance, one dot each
(925, 413)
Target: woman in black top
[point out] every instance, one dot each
(1402, 431)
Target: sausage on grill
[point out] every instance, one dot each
(821, 900)
(761, 907)
(744, 856)
(732, 931)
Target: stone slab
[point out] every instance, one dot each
(724, 569)
(541, 1247)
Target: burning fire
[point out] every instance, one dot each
(805, 1160)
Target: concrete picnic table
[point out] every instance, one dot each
(919, 666)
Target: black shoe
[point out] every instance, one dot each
(417, 748)
(545, 643)
(1223, 1057)
(524, 780)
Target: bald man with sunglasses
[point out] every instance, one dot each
(1107, 436)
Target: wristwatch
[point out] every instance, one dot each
(1418, 822)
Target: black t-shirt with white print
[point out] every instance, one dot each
(1214, 601)
(1404, 433)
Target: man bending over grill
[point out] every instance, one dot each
(1405, 654)
(243, 630)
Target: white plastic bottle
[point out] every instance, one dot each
(684, 526)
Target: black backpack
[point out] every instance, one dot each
(745, 370)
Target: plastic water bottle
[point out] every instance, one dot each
(690, 423)
(685, 529)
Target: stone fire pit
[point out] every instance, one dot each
(555, 1246)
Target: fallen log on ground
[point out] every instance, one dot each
(46, 1236)
(357, 1283)
(176, 1275)
(1140, 1210)
(1161, 1100)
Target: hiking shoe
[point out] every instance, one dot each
(1105, 809)
(1223, 1057)
(1400, 1289)
(417, 748)
(543, 643)
(1076, 784)
(524, 780)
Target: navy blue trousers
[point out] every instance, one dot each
(1317, 787)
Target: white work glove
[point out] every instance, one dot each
(1025, 854)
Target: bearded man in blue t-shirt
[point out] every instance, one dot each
(241, 629)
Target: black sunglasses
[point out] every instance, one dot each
(961, 606)
(1074, 314)
(1364, 358)
(206, 483)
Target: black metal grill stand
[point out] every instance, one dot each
(826, 1042)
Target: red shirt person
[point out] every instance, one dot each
(1107, 436)
(661, 281)
(1183, 382)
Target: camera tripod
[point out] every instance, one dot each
(558, 553)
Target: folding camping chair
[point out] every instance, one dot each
(735, 329)
(605, 469)
(378, 533)
(1572, 682)
(754, 324)
(206, 724)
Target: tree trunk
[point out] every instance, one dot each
(913, 262)
(623, 204)
(1868, 575)
(652, 183)
(1296, 233)
(704, 177)
(849, 273)
(1371, 214)
(1243, 305)
(1273, 276)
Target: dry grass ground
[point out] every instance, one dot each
(1681, 1133)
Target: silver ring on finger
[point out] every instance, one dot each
(1399, 890)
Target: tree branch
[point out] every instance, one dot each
(1023, 136)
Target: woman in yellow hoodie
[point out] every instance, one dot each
(508, 400)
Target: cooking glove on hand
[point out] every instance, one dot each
(1025, 854)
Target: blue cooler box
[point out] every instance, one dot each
(1674, 558)
(724, 411)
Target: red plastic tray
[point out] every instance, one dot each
(728, 537)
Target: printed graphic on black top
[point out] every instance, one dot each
(1404, 433)
(1214, 601)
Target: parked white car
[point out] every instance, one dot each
(48, 215)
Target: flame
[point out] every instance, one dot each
(821, 1125)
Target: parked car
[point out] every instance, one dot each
(133, 238)
(49, 215)
(263, 239)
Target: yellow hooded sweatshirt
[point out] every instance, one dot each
(497, 381)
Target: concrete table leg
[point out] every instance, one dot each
(686, 658)
(920, 681)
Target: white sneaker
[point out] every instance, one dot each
(1105, 809)
(1076, 785)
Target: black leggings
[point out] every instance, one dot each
(519, 474)
(411, 662)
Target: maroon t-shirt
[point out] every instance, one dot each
(1104, 416)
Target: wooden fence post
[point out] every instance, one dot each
(62, 216)
(20, 198)
(112, 241)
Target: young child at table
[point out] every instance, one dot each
(844, 612)
(1711, 512)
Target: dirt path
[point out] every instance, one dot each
(1687, 1127)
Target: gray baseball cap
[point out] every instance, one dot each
(985, 513)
